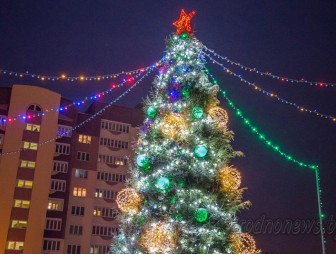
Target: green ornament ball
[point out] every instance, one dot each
(143, 162)
(154, 134)
(177, 216)
(201, 215)
(185, 92)
(197, 112)
(173, 200)
(151, 111)
(162, 183)
(184, 35)
(200, 151)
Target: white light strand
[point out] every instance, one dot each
(77, 102)
(269, 74)
(272, 95)
(71, 78)
(87, 120)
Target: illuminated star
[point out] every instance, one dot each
(183, 23)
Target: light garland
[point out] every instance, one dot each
(87, 120)
(287, 156)
(269, 74)
(77, 102)
(273, 95)
(64, 77)
(263, 138)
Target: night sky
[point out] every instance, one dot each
(291, 38)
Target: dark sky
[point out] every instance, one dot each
(291, 38)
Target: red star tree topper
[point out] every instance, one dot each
(183, 23)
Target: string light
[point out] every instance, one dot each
(287, 156)
(273, 95)
(263, 137)
(88, 119)
(77, 102)
(269, 74)
(64, 77)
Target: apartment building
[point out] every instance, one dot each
(59, 197)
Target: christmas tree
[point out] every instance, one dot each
(183, 193)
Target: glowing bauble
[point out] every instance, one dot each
(229, 179)
(243, 243)
(173, 126)
(143, 162)
(162, 183)
(185, 92)
(220, 117)
(197, 112)
(174, 95)
(159, 237)
(200, 151)
(201, 215)
(129, 200)
(151, 111)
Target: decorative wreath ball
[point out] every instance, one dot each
(229, 179)
(173, 125)
(129, 200)
(159, 238)
(244, 243)
(220, 117)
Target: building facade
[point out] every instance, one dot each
(59, 197)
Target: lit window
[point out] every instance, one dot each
(24, 184)
(79, 192)
(33, 127)
(29, 145)
(55, 204)
(11, 245)
(96, 249)
(84, 139)
(64, 131)
(105, 212)
(21, 203)
(81, 173)
(21, 224)
(27, 164)
(97, 211)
